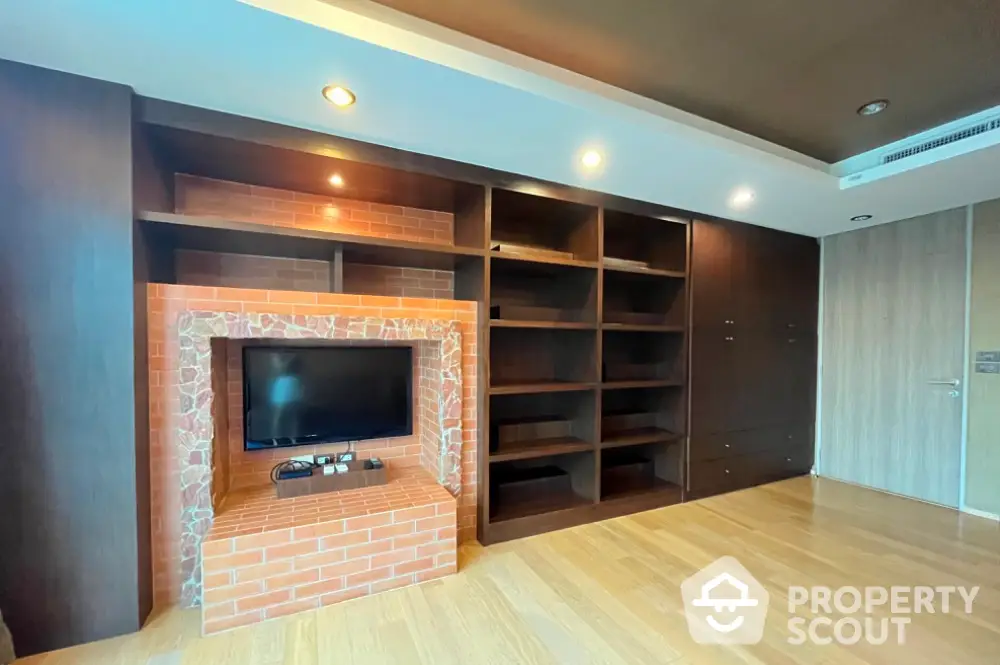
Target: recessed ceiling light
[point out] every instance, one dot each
(874, 107)
(742, 197)
(336, 180)
(591, 159)
(861, 218)
(339, 96)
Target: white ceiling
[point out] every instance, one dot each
(425, 89)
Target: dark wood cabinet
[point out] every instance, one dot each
(754, 295)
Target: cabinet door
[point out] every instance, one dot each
(714, 380)
(795, 306)
(799, 375)
(712, 274)
(753, 275)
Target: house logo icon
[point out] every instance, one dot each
(725, 604)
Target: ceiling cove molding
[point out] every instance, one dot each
(382, 26)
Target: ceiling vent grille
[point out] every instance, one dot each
(958, 135)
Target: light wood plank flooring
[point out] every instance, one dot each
(610, 592)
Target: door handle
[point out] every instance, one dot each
(954, 383)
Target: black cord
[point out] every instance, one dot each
(290, 465)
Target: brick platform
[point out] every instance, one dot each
(266, 557)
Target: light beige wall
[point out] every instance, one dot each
(982, 489)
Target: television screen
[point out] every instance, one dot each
(295, 395)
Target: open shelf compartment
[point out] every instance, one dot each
(538, 293)
(631, 356)
(523, 358)
(524, 488)
(528, 426)
(639, 470)
(643, 301)
(642, 415)
(529, 226)
(644, 243)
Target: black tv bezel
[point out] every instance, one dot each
(253, 446)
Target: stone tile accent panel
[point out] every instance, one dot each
(266, 557)
(182, 322)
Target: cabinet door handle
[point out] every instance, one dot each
(791, 325)
(727, 471)
(729, 339)
(792, 340)
(726, 445)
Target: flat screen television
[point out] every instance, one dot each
(297, 395)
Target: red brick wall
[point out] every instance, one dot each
(264, 205)
(280, 207)
(398, 282)
(383, 538)
(166, 301)
(242, 271)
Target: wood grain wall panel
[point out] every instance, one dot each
(982, 490)
(72, 519)
(894, 308)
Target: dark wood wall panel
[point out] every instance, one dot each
(72, 513)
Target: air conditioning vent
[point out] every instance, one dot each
(958, 135)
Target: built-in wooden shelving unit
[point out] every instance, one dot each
(588, 364)
(583, 341)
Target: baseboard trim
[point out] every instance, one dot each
(980, 513)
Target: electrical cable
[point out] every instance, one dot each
(290, 465)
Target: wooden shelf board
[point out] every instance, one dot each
(546, 260)
(540, 387)
(540, 448)
(534, 505)
(228, 235)
(638, 437)
(643, 327)
(553, 325)
(658, 489)
(650, 272)
(649, 383)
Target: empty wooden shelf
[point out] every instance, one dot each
(530, 449)
(558, 230)
(531, 487)
(537, 425)
(532, 355)
(638, 436)
(633, 300)
(642, 356)
(519, 388)
(217, 234)
(640, 469)
(526, 291)
(644, 244)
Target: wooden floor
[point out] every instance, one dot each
(610, 592)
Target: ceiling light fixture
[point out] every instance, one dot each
(339, 96)
(591, 159)
(742, 197)
(336, 180)
(873, 107)
(861, 218)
